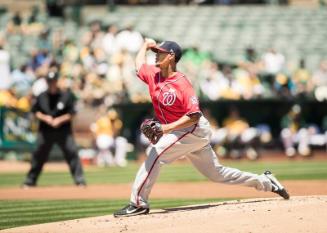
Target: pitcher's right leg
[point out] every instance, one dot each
(206, 161)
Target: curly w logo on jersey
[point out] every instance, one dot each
(169, 97)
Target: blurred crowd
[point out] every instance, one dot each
(98, 66)
(265, 76)
(237, 138)
(111, 147)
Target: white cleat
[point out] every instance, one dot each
(277, 187)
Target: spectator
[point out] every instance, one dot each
(39, 58)
(44, 43)
(319, 77)
(94, 90)
(240, 135)
(319, 82)
(96, 35)
(101, 64)
(249, 85)
(70, 54)
(4, 67)
(11, 99)
(40, 85)
(283, 86)
(294, 132)
(14, 26)
(273, 62)
(250, 61)
(111, 146)
(195, 56)
(24, 103)
(250, 55)
(109, 42)
(233, 90)
(129, 39)
(193, 60)
(301, 80)
(8, 98)
(87, 58)
(22, 80)
(264, 133)
(33, 18)
(17, 19)
(121, 76)
(212, 82)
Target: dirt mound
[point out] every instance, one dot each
(300, 214)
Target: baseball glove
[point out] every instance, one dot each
(152, 129)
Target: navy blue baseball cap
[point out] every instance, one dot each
(169, 47)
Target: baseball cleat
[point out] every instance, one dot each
(131, 210)
(28, 185)
(276, 186)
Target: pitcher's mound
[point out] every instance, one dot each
(299, 214)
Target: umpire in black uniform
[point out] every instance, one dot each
(55, 109)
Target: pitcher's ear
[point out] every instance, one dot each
(171, 56)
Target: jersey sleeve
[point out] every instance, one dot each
(146, 73)
(190, 100)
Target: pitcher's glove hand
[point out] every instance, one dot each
(152, 129)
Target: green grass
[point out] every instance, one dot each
(21, 213)
(290, 170)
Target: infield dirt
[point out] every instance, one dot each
(268, 215)
(180, 190)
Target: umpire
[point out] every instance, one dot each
(55, 109)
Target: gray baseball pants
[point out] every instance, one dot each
(192, 142)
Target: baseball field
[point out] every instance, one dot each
(182, 200)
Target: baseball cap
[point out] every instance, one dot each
(168, 47)
(52, 76)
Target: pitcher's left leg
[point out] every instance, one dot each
(169, 148)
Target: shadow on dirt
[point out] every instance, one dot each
(201, 207)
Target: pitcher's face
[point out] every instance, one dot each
(163, 60)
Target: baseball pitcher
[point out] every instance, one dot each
(179, 129)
